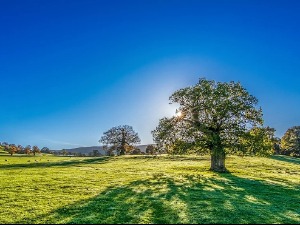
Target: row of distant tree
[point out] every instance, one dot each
(13, 149)
(109, 151)
(28, 150)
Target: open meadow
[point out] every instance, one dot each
(146, 189)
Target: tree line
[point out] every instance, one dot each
(28, 150)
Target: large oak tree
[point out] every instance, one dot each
(120, 138)
(212, 116)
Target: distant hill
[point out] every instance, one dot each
(87, 150)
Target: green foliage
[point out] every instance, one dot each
(213, 116)
(96, 153)
(180, 147)
(120, 138)
(146, 189)
(290, 142)
(27, 149)
(35, 149)
(64, 152)
(151, 149)
(136, 151)
(257, 141)
(11, 149)
(45, 150)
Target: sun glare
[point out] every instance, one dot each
(178, 114)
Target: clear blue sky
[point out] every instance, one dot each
(71, 70)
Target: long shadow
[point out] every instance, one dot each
(40, 164)
(285, 158)
(222, 198)
(241, 200)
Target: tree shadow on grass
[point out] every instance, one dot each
(222, 198)
(39, 164)
(234, 199)
(285, 158)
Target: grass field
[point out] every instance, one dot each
(140, 189)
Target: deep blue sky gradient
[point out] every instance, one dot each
(71, 70)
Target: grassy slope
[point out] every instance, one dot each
(148, 190)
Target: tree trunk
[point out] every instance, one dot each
(217, 155)
(123, 145)
(122, 150)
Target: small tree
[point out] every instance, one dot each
(45, 150)
(150, 149)
(64, 152)
(35, 149)
(120, 138)
(12, 149)
(96, 152)
(136, 151)
(27, 149)
(20, 149)
(290, 142)
(110, 151)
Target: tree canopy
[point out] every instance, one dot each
(290, 142)
(35, 149)
(212, 116)
(120, 138)
(259, 141)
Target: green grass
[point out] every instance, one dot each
(139, 189)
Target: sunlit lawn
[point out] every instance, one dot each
(140, 189)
